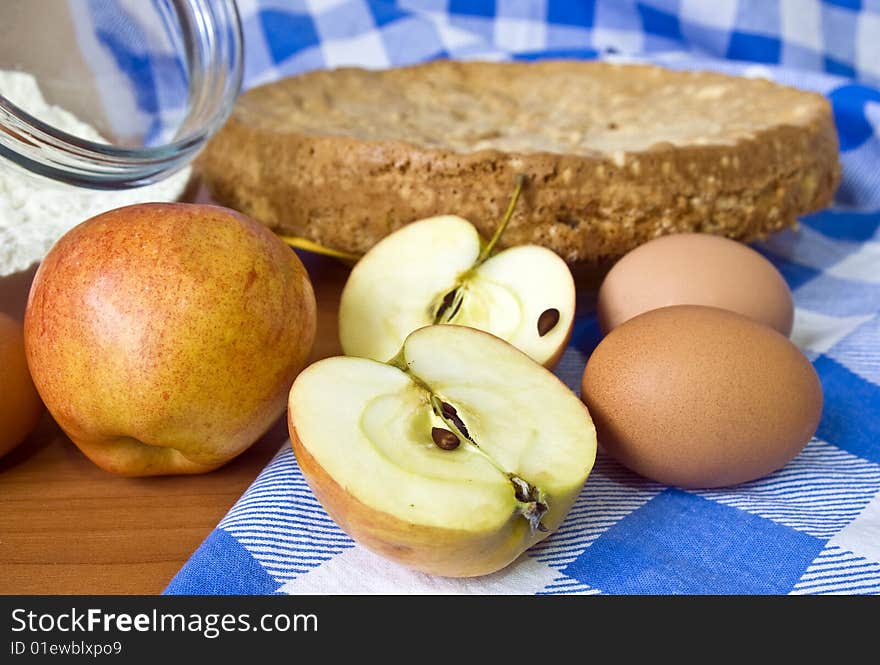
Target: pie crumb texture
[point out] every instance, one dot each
(615, 154)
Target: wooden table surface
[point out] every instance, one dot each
(67, 527)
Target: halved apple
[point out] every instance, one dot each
(438, 270)
(452, 458)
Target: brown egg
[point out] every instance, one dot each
(695, 269)
(698, 396)
(20, 405)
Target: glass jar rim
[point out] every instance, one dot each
(38, 147)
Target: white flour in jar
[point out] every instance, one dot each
(35, 212)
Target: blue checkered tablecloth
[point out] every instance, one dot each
(810, 528)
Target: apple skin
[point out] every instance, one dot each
(164, 338)
(20, 406)
(443, 552)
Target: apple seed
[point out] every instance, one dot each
(444, 439)
(451, 303)
(447, 302)
(451, 414)
(547, 321)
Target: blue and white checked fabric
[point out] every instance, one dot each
(810, 528)
(840, 37)
(138, 41)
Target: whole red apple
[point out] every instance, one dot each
(164, 338)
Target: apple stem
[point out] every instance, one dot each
(490, 246)
(316, 248)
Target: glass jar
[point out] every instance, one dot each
(154, 78)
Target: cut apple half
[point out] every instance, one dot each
(452, 458)
(439, 270)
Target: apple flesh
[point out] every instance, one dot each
(430, 272)
(164, 338)
(452, 459)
